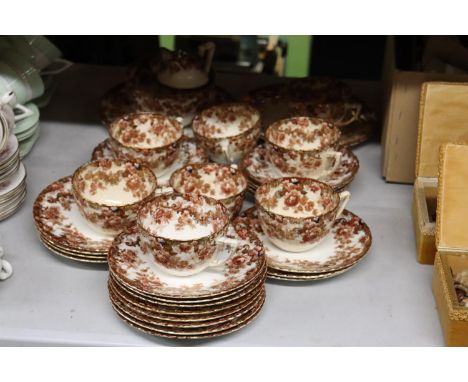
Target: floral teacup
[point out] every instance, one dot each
(303, 146)
(150, 138)
(297, 213)
(109, 193)
(227, 131)
(224, 183)
(182, 232)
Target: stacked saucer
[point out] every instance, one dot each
(12, 179)
(217, 301)
(27, 130)
(344, 247)
(63, 230)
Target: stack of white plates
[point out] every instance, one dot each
(12, 179)
(27, 130)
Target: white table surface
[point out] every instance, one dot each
(385, 301)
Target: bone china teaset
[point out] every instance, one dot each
(183, 263)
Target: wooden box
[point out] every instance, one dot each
(443, 118)
(451, 242)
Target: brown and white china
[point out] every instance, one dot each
(189, 152)
(57, 217)
(201, 333)
(225, 183)
(228, 131)
(182, 232)
(149, 96)
(136, 268)
(297, 213)
(110, 192)
(149, 138)
(460, 280)
(258, 169)
(181, 70)
(303, 146)
(347, 243)
(197, 304)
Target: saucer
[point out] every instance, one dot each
(58, 219)
(27, 145)
(348, 242)
(200, 333)
(189, 152)
(138, 271)
(28, 123)
(179, 315)
(258, 169)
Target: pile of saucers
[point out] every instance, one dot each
(217, 301)
(12, 179)
(27, 130)
(63, 230)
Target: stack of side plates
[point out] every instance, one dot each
(212, 303)
(12, 179)
(27, 130)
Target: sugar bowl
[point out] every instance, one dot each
(110, 192)
(227, 131)
(225, 183)
(297, 213)
(150, 138)
(303, 146)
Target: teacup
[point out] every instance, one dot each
(303, 146)
(224, 183)
(182, 232)
(109, 193)
(150, 138)
(18, 75)
(181, 70)
(227, 131)
(297, 213)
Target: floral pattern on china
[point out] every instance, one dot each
(303, 146)
(182, 231)
(227, 131)
(136, 267)
(221, 182)
(189, 152)
(57, 216)
(346, 244)
(150, 138)
(109, 192)
(259, 169)
(297, 213)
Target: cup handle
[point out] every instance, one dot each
(25, 112)
(62, 66)
(355, 113)
(336, 156)
(226, 151)
(225, 241)
(344, 199)
(207, 51)
(6, 269)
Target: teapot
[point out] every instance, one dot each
(181, 70)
